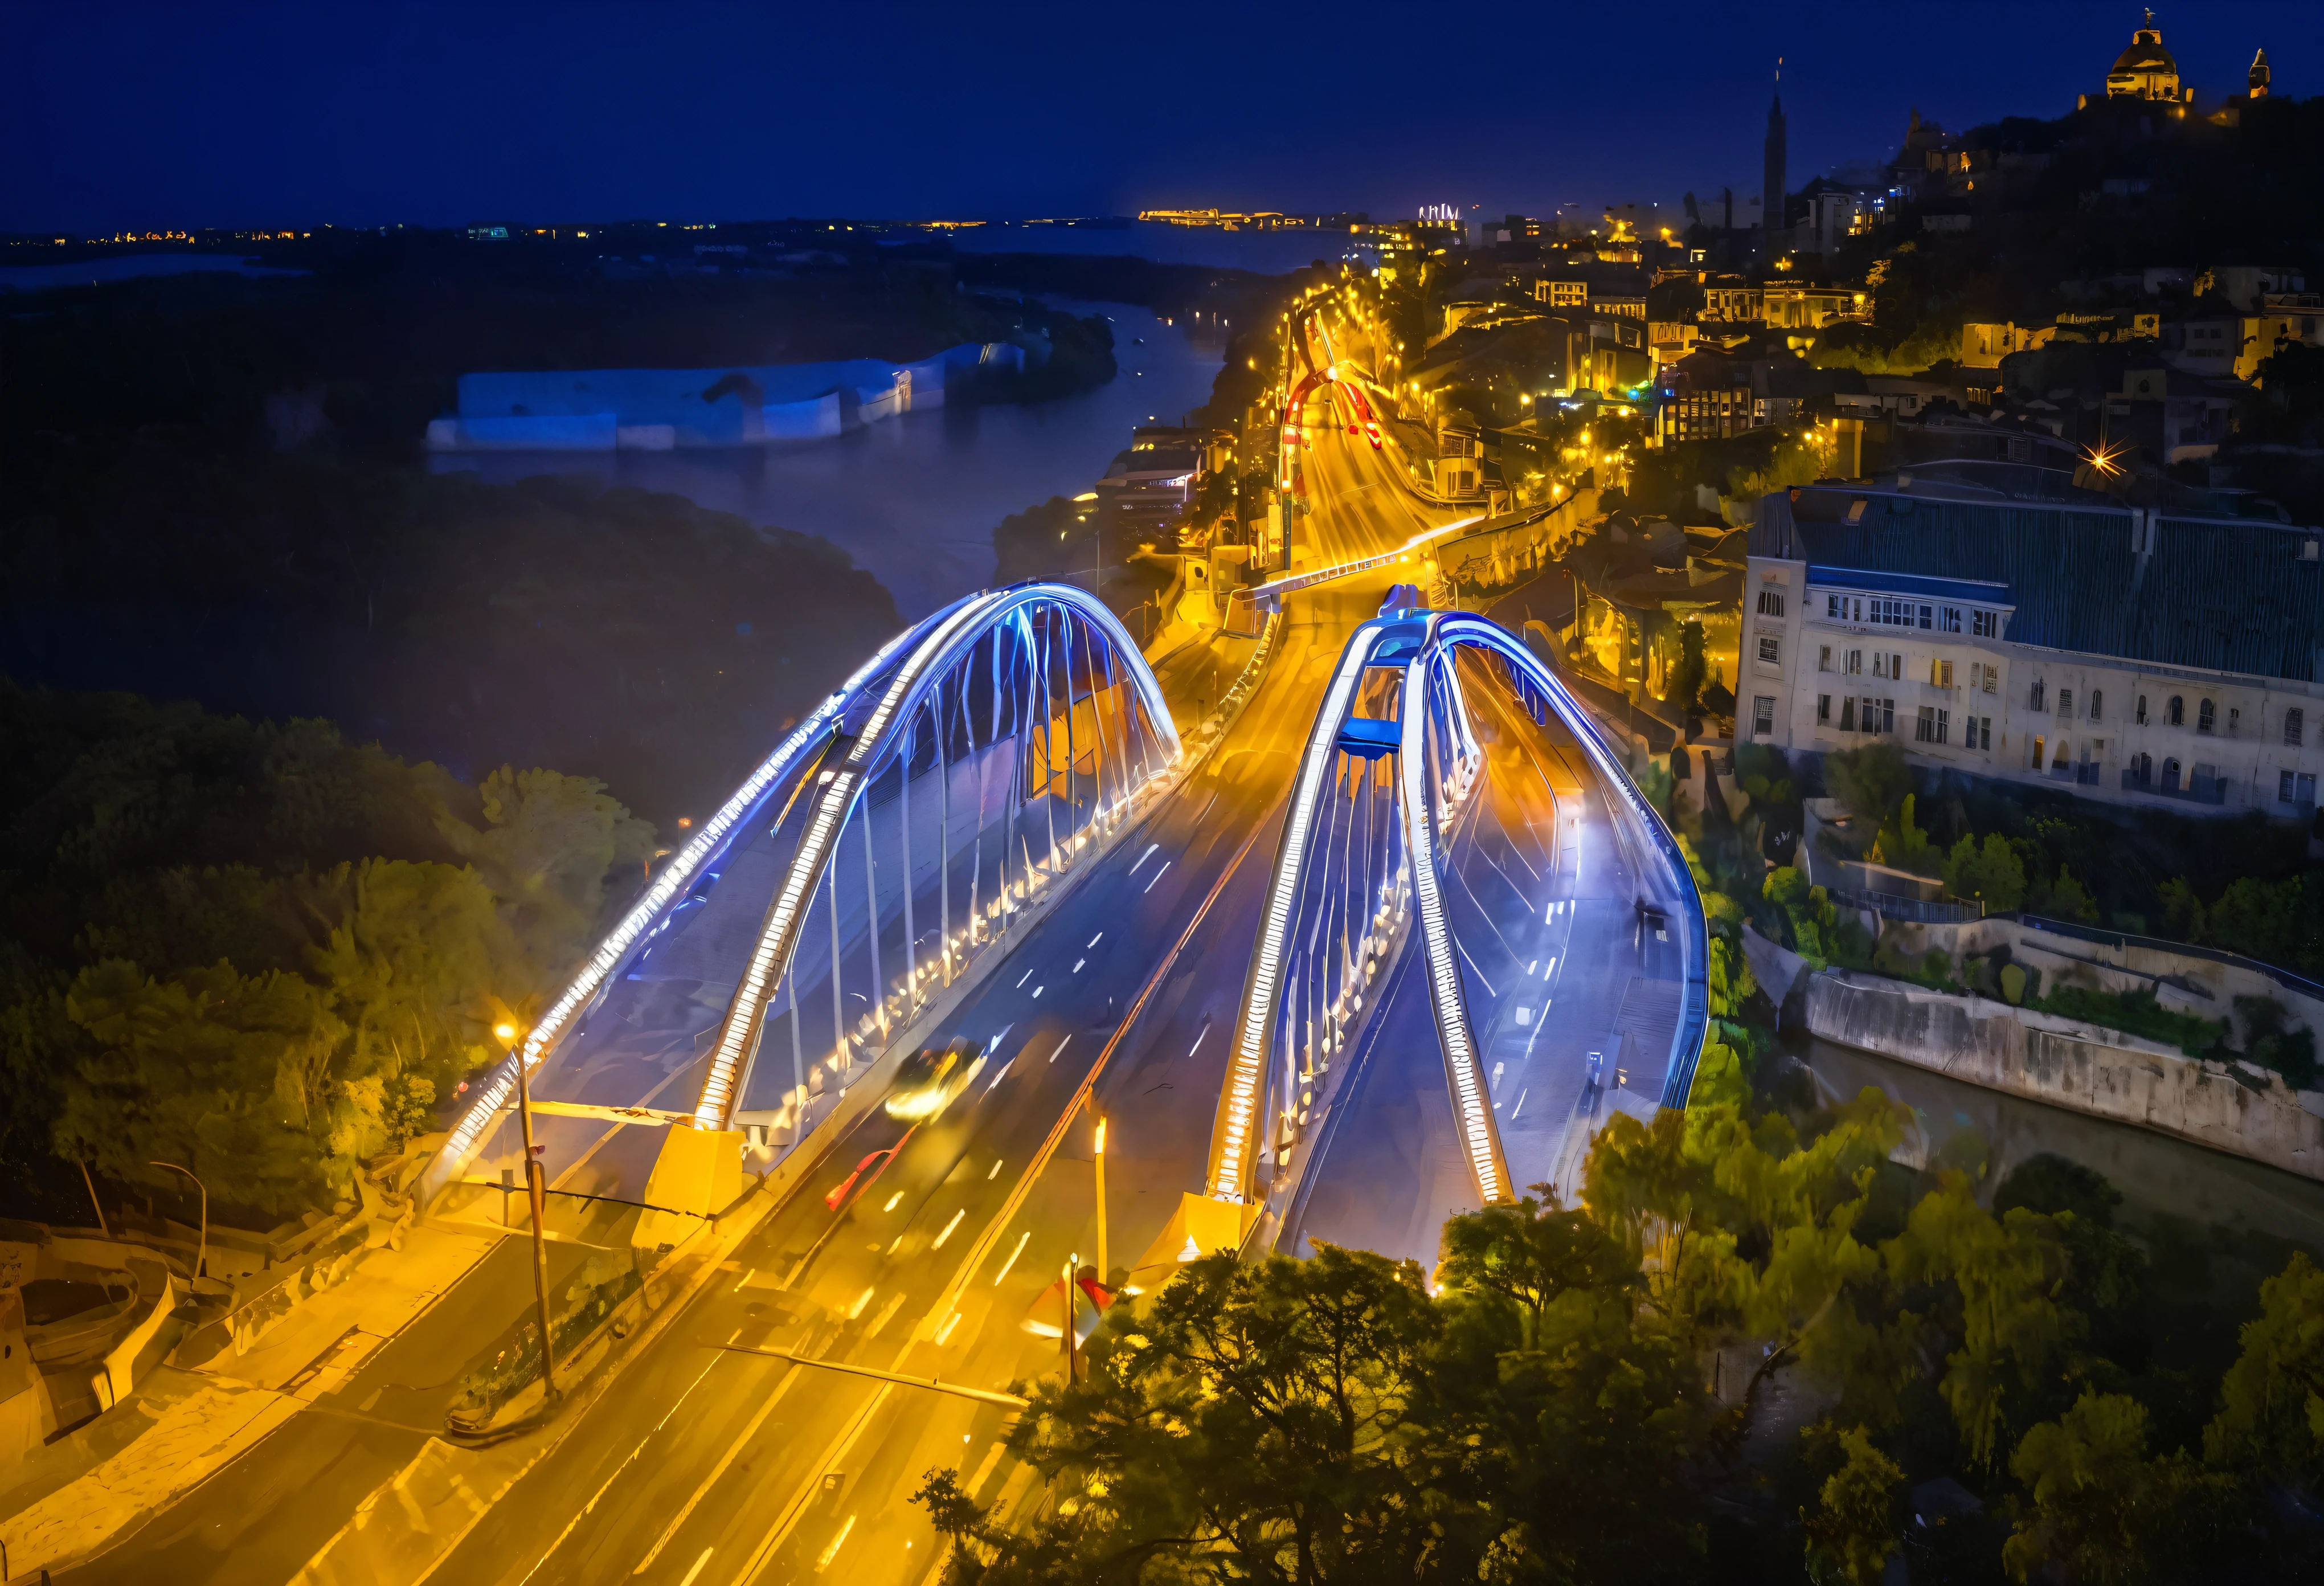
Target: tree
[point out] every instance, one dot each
(1869, 782)
(1854, 1532)
(2270, 1419)
(1903, 844)
(2099, 1510)
(1532, 1254)
(1991, 873)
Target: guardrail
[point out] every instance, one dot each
(1895, 905)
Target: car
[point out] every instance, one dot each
(928, 1081)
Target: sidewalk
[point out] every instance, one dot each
(179, 1427)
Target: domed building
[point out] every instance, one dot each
(2146, 70)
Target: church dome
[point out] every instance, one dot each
(2146, 56)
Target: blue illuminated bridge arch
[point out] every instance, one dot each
(1363, 857)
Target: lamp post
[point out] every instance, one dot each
(202, 1245)
(537, 1193)
(1102, 1269)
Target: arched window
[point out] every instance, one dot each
(2142, 769)
(2097, 697)
(2066, 702)
(2142, 710)
(2040, 690)
(2178, 711)
(2206, 716)
(2295, 724)
(2170, 776)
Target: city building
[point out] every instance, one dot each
(1771, 168)
(2126, 654)
(2146, 70)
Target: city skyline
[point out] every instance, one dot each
(273, 118)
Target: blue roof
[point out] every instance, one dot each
(1970, 591)
(2214, 595)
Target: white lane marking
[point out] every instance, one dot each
(697, 1566)
(1093, 940)
(948, 1227)
(1019, 1250)
(994, 1174)
(892, 1200)
(1204, 1036)
(1157, 876)
(1038, 990)
(1056, 1055)
(1077, 964)
(1023, 978)
(862, 1300)
(1142, 858)
(1003, 1073)
(832, 1551)
(753, 1272)
(1551, 970)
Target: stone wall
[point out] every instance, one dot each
(2087, 1069)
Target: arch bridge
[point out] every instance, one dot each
(887, 851)
(1453, 790)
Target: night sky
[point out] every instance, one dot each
(249, 115)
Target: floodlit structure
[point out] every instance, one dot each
(1391, 769)
(890, 843)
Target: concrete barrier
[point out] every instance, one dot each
(2234, 1108)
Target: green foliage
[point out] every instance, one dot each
(2290, 1053)
(2262, 919)
(2270, 1419)
(1870, 782)
(2064, 898)
(1731, 981)
(2101, 1509)
(2013, 984)
(1856, 1528)
(1809, 912)
(1762, 771)
(265, 953)
(1903, 845)
(2137, 1013)
(1990, 871)
(1328, 1420)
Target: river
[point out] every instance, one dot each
(915, 499)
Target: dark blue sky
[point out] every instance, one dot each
(185, 116)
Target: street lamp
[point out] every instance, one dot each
(537, 1193)
(1103, 1271)
(202, 1245)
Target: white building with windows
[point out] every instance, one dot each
(2117, 653)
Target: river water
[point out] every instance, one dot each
(2215, 1225)
(915, 499)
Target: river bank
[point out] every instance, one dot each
(914, 500)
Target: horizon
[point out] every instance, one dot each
(689, 121)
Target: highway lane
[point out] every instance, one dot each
(774, 1471)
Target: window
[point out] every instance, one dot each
(2171, 775)
(1985, 624)
(1887, 716)
(1771, 603)
(2066, 702)
(2141, 769)
(2142, 710)
(1925, 730)
(2097, 699)
(1984, 729)
(2178, 711)
(2205, 717)
(2040, 694)
(1763, 716)
(2058, 754)
(1941, 674)
(1823, 658)
(2295, 788)
(1771, 650)
(1855, 663)
(1848, 713)
(1992, 680)
(1891, 613)
(1928, 615)
(1823, 710)
(1949, 619)
(1888, 664)
(2294, 723)
(2235, 722)
(1944, 725)
(2039, 745)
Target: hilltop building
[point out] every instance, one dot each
(2126, 654)
(2146, 70)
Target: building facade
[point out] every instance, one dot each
(2117, 653)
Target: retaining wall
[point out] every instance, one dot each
(2103, 1073)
